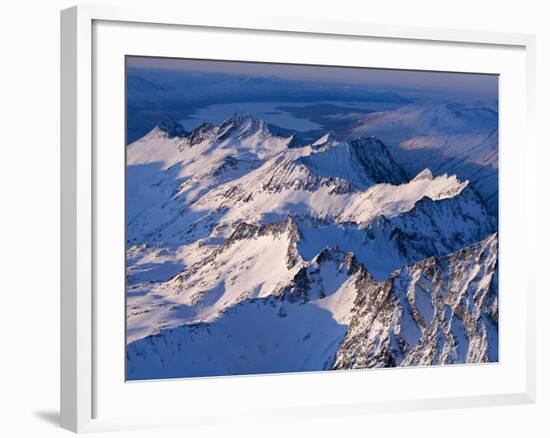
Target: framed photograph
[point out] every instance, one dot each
(279, 217)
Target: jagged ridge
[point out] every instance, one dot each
(438, 311)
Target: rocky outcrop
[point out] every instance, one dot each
(438, 311)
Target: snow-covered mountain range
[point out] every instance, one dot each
(250, 250)
(447, 137)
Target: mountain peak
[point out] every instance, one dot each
(366, 141)
(171, 128)
(424, 174)
(369, 147)
(242, 124)
(324, 140)
(363, 161)
(201, 133)
(377, 161)
(242, 116)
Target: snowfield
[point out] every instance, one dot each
(250, 252)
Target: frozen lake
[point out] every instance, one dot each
(272, 112)
(264, 110)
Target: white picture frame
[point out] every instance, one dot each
(81, 169)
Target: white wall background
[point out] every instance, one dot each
(29, 215)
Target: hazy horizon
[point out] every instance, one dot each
(481, 84)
